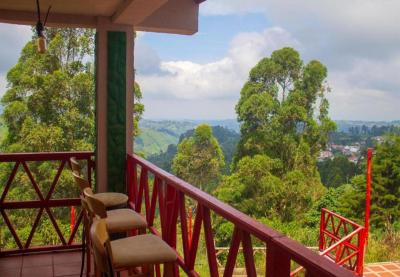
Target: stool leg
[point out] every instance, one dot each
(169, 270)
(151, 270)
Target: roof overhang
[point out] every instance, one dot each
(166, 16)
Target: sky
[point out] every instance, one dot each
(200, 76)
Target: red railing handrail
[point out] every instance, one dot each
(45, 201)
(297, 251)
(332, 247)
(44, 156)
(333, 232)
(354, 224)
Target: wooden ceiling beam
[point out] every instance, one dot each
(135, 11)
(54, 20)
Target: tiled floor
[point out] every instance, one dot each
(42, 265)
(390, 269)
(68, 264)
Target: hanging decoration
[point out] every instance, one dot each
(41, 40)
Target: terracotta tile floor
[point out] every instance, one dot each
(42, 265)
(389, 269)
(68, 264)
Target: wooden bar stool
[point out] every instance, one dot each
(118, 220)
(109, 199)
(131, 252)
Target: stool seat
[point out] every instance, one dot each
(121, 220)
(139, 250)
(111, 199)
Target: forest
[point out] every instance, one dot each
(269, 170)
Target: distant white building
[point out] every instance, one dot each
(324, 155)
(350, 150)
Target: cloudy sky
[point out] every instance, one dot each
(200, 76)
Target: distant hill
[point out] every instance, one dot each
(227, 139)
(157, 135)
(345, 125)
(231, 124)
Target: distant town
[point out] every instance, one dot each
(352, 138)
(352, 152)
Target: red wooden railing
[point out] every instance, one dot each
(45, 201)
(342, 240)
(162, 197)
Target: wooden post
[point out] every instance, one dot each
(114, 103)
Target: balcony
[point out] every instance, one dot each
(163, 199)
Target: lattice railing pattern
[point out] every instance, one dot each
(42, 201)
(163, 199)
(342, 240)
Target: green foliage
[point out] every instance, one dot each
(331, 200)
(260, 189)
(49, 102)
(336, 172)
(199, 159)
(49, 106)
(156, 136)
(138, 109)
(294, 128)
(385, 192)
(226, 138)
(284, 124)
(383, 246)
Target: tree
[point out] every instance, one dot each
(199, 159)
(293, 129)
(337, 172)
(275, 173)
(259, 188)
(385, 188)
(138, 110)
(49, 106)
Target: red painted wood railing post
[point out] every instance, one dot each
(190, 225)
(248, 255)
(233, 251)
(153, 201)
(362, 239)
(278, 262)
(212, 258)
(184, 228)
(135, 182)
(142, 185)
(368, 194)
(162, 209)
(129, 178)
(72, 220)
(196, 235)
(173, 203)
(322, 231)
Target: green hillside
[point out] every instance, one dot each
(227, 139)
(155, 136)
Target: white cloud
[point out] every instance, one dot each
(13, 38)
(358, 40)
(363, 88)
(331, 28)
(368, 89)
(219, 79)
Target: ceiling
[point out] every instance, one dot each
(170, 16)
